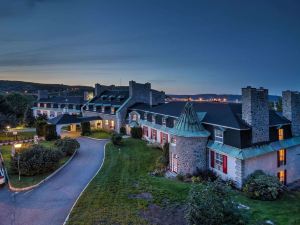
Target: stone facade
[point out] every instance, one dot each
(255, 112)
(291, 109)
(191, 154)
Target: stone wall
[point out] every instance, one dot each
(192, 154)
(255, 112)
(291, 109)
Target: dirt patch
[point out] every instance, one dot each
(169, 215)
(145, 196)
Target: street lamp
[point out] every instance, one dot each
(17, 147)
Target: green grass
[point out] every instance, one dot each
(125, 172)
(285, 211)
(26, 181)
(21, 136)
(100, 134)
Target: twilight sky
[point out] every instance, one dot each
(181, 46)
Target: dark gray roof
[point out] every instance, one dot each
(117, 91)
(63, 100)
(68, 119)
(223, 114)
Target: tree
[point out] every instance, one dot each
(212, 204)
(29, 119)
(85, 128)
(136, 132)
(116, 139)
(50, 132)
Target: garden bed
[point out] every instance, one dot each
(8, 137)
(27, 181)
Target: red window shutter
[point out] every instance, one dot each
(212, 159)
(284, 156)
(167, 138)
(225, 164)
(278, 158)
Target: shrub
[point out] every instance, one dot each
(85, 128)
(180, 177)
(206, 175)
(212, 204)
(263, 187)
(40, 128)
(67, 145)
(50, 132)
(136, 132)
(36, 160)
(123, 130)
(116, 139)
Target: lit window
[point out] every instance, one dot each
(219, 161)
(280, 134)
(106, 122)
(103, 109)
(219, 136)
(112, 126)
(281, 157)
(282, 176)
(153, 134)
(112, 110)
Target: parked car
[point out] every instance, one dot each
(2, 176)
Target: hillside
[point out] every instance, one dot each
(32, 88)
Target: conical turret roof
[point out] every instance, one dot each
(188, 124)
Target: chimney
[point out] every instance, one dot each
(42, 94)
(98, 89)
(255, 112)
(291, 109)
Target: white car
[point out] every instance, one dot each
(2, 176)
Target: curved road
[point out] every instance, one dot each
(50, 203)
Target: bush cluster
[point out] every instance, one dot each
(123, 130)
(40, 128)
(67, 145)
(213, 204)
(36, 160)
(116, 139)
(136, 132)
(263, 187)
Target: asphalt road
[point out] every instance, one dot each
(50, 203)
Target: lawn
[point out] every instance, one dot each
(21, 136)
(126, 172)
(26, 181)
(100, 134)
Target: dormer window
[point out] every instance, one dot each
(164, 121)
(219, 136)
(112, 110)
(103, 109)
(174, 122)
(134, 117)
(111, 97)
(153, 118)
(145, 116)
(280, 134)
(94, 108)
(103, 97)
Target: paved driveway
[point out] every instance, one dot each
(50, 203)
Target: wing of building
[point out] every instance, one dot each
(232, 139)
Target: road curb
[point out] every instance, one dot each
(97, 139)
(14, 189)
(67, 218)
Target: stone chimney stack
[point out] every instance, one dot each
(291, 109)
(255, 112)
(42, 94)
(98, 89)
(142, 92)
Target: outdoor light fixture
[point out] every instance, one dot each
(18, 146)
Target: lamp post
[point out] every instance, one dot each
(17, 147)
